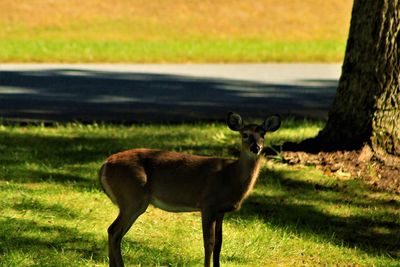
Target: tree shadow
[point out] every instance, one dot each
(375, 231)
(86, 96)
(57, 210)
(24, 236)
(36, 158)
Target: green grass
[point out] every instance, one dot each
(53, 212)
(136, 31)
(179, 51)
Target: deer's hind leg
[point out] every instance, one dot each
(118, 229)
(132, 199)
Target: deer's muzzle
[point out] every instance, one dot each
(256, 149)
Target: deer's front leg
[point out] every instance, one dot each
(208, 220)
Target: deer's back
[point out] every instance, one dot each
(175, 181)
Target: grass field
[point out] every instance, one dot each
(53, 212)
(180, 31)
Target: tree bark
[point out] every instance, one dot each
(367, 102)
(385, 137)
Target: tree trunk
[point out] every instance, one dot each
(385, 137)
(367, 102)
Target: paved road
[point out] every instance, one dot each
(160, 93)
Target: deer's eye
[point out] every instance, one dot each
(245, 135)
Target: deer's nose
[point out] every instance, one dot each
(255, 148)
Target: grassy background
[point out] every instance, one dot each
(53, 212)
(182, 31)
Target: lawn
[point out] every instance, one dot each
(53, 212)
(180, 31)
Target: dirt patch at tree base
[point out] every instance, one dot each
(357, 164)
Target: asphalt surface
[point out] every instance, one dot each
(164, 93)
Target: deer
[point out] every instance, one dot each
(178, 182)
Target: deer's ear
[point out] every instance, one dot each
(234, 121)
(272, 123)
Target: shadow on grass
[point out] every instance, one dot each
(27, 236)
(46, 210)
(371, 225)
(46, 243)
(37, 158)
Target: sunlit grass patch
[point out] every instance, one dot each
(195, 50)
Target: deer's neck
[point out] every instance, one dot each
(248, 168)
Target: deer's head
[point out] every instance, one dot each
(253, 135)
